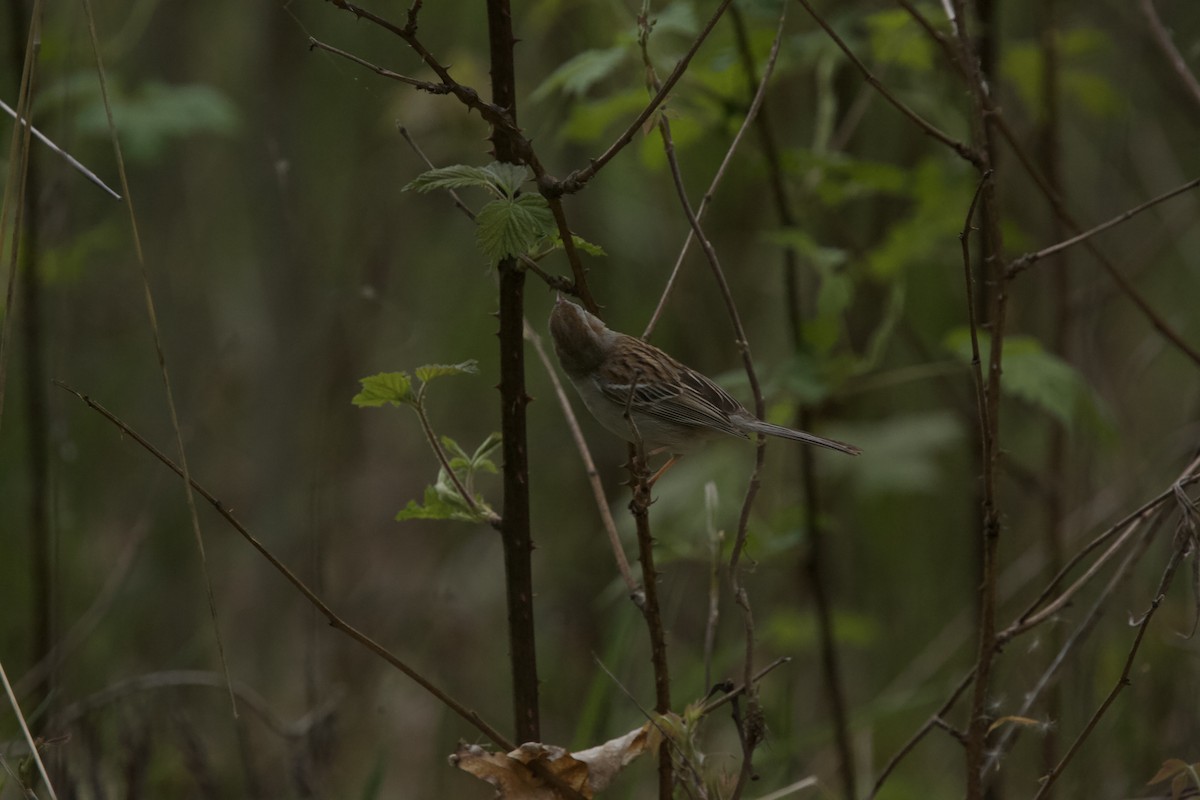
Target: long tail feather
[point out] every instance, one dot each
(758, 426)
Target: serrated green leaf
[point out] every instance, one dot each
(508, 177)
(510, 227)
(1038, 377)
(384, 387)
(453, 448)
(487, 446)
(435, 506)
(428, 372)
(456, 176)
(580, 243)
(580, 73)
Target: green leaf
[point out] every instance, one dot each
(456, 176)
(429, 372)
(1085, 52)
(1040, 378)
(510, 227)
(844, 178)
(157, 113)
(791, 631)
(580, 73)
(454, 450)
(822, 258)
(436, 506)
(385, 387)
(581, 244)
(896, 39)
(508, 177)
(677, 18)
(479, 461)
(930, 232)
(487, 447)
(591, 121)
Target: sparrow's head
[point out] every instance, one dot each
(581, 339)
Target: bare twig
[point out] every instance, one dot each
(1162, 38)
(927, 127)
(1164, 583)
(1024, 262)
(981, 396)
(335, 621)
(176, 679)
(116, 573)
(751, 731)
(1052, 195)
(74, 162)
(1060, 210)
(1020, 625)
(495, 114)
(639, 506)
(152, 314)
(813, 558)
(579, 178)
(715, 539)
(585, 454)
(424, 86)
(29, 740)
(934, 721)
(14, 191)
(1046, 680)
(740, 689)
(751, 115)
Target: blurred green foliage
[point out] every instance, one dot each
(287, 262)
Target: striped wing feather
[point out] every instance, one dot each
(686, 398)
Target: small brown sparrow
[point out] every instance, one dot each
(674, 408)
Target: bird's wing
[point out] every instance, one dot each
(686, 398)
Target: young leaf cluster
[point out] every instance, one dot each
(453, 494)
(512, 223)
(442, 500)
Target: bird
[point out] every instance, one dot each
(638, 392)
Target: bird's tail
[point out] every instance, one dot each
(758, 426)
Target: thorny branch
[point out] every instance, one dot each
(335, 621)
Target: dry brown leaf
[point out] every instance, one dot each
(587, 771)
(1169, 768)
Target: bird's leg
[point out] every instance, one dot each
(662, 470)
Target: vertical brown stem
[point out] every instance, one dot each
(515, 528)
(992, 297)
(639, 506)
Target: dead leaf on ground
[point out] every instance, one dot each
(586, 771)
